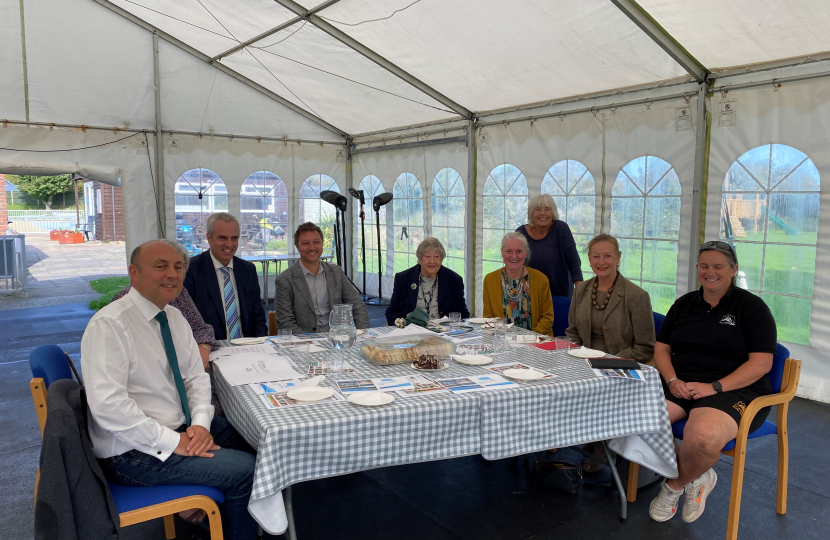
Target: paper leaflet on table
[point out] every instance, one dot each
(274, 387)
(499, 368)
(626, 374)
(262, 348)
(421, 386)
(322, 367)
(386, 384)
(275, 401)
(476, 383)
(248, 368)
(410, 330)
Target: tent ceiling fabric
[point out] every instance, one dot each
(353, 105)
(484, 55)
(730, 33)
(507, 54)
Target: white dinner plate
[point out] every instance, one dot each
(472, 359)
(480, 320)
(585, 352)
(310, 393)
(248, 341)
(371, 399)
(441, 365)
(523, 374)
(360, 332)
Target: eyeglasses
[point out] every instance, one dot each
(718, 245)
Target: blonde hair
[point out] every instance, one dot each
(541, 201)
(603, 238)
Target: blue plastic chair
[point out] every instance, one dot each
(135, 504)
(784, 376)
(658, 322)
(561, 306)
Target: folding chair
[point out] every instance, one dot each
(135, 504)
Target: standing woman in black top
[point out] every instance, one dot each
(713, 351)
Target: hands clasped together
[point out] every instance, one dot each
(691, 390)
(196, 441)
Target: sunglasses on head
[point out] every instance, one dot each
(718, 245)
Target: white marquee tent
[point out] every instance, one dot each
(663, 123)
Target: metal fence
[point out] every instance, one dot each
(43, 221)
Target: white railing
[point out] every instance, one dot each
(43, 221)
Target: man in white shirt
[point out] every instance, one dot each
(225, 288)
(149, 396)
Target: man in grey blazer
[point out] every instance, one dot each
(307, 290)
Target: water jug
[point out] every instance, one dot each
(342, 332)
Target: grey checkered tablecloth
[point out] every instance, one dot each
(306, 442)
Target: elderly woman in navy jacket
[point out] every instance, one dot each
(428, 285)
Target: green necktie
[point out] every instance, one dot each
(167, 338)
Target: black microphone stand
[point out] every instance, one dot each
(360, 196)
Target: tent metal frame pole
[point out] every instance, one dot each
(471, 199)
(663, 39)
(228, 71)
(697, 189)
(358, 47)
(428, 142)
(159, 144)
(272, 31)
(25, 65)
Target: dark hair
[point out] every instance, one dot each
(307, 227)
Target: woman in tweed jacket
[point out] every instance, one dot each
(608, 312)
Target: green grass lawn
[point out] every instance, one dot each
(108, 287)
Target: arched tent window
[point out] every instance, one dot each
(645, 218)
(505, 208)
(315, 209)
(449, 217)
(409, 220)
(769, 212)
(263, 199)
(572, 187)
(198, 194)
(371, 187)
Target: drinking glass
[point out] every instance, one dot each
(563, 343)
(455, 320)
(500, 336)
(284, 338)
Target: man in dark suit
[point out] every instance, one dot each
(224, 287)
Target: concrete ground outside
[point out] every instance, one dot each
(60, 274)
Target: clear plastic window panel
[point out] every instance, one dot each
(198, 193)
(645, 218)
(408, 225)
(263, 201)
(769, 213)
(572, 187)
(371, 187)
(316, 210)
(505, 209)
(449, 216)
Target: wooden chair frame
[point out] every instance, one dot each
(165, 510)
(272, 323)
(789, 385)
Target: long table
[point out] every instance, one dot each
(307, 442)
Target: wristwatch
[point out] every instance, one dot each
(717, 386)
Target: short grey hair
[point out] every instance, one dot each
(521, 238)
(541, 201)
(430, 244)
(135, 256)
(221, 216)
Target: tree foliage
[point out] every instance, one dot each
(42, 188)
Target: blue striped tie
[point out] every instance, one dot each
(231, 310)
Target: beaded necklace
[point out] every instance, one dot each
(608, 294)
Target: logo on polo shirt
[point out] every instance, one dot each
(728, 319)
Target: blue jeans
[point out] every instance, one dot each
(231, 469)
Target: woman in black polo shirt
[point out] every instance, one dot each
(713, 351)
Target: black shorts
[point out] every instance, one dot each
(733, 403)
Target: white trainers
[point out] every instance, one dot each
(696, 493)
(664, 506)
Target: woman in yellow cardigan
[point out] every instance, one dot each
(517, 292)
